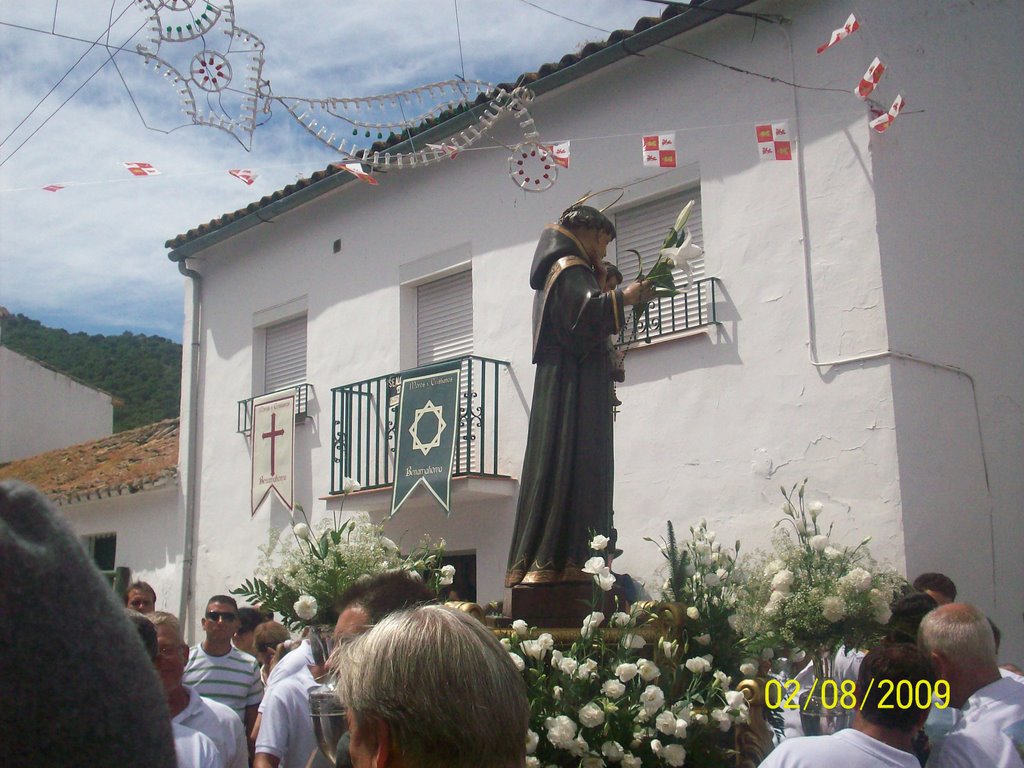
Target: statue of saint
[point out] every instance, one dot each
(565, 492)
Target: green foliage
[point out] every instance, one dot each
(144, 372)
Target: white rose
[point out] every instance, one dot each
(631, 761)
(858, 580)
(301, 531)
(590, 623)
(586, 669)
(747, 669)
(612, 751)
(648, 670)
(578, 746)
(619, 619)
(669, 648)
(599, 543)
(783, 581)
(698, 665)
(633, 641)
(815, 508)
(517, 660)
(673, 754)
(594, 565)
(626, 672)
(533, 648)
(833, 609)
(561, 731)
(532, 739)
(305, 607)
(592, 761)
(666, 723)
(605, 579)
(832, 552)
(556, 692)
(591, 715)
(349, 484)
(722, 678)
(613, 689)
(693, 613)
(447, 575)
(520, 627)
(681, 728)
(819, 543)
(568, 666)
(653, 698)
(506, 643)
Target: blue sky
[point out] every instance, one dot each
(91, 257)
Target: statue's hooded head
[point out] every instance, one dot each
(585, 217)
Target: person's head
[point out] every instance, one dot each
(391, 677)
(172, 650)
(907, 613)
(220, 622)
(938, 585)
(591, 227)
(248, 620)
(372, 598)
(612, 276)
(881, 672)
(146, 630)
(958, 640)
(141, 597)
(266, 637)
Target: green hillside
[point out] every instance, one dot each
(143, 372)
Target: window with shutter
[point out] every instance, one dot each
(285, 361)
(444, 318)
(643, 229)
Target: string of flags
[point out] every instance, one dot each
(534, 165)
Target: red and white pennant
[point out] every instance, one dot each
(559, 153)
(870, 80)
(851, 26)
(244, 175)
(774, 141)
(141, 169)
(881, 123)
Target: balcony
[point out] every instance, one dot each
(301, 406)
(695, 308)
(364, 417)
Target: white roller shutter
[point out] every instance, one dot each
(444, 318)
(285, 355)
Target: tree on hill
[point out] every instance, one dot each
(144, 372)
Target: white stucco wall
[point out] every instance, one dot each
(149, 537)
(814, 266)
(41, 409)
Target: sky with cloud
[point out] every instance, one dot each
(76, 101)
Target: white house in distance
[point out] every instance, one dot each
(857, 318)
(42, 409)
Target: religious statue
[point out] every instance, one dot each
(565, 493)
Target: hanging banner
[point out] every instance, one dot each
(273, 431)
(428, 422)
(774, 141)
(660, 150)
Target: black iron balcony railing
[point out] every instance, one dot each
(364, 417)
(674, 314)
(301, 406)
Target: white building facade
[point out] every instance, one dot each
(865, 329)
(42, 409)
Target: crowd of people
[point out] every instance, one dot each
(422, 685)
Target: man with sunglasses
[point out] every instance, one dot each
(218, 670)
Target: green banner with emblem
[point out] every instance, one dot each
(428, 423)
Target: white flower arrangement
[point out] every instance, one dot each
(811, 593)
(614, 699)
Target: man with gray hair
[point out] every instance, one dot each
(390, 681)
(959, 641)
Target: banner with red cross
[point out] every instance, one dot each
(660, 150)
(774, 141)
(273, 432)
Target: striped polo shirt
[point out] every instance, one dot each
(232, 679)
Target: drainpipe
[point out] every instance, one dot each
(191, 476)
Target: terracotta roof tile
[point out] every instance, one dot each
(124, 463)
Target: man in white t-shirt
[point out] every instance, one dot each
(188, 708)
(881, 735)
(194, 749)
(959, 641)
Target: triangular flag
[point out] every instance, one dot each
(356, 169)
(141, 169)
(870, 80)
(851, 26)
(881, 123)
(54, 187)
(244, 175)
(559, 153)
(448, 149)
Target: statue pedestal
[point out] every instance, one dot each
(562, 604)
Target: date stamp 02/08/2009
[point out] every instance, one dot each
(891, 694)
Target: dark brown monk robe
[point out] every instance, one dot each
(566, 487)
